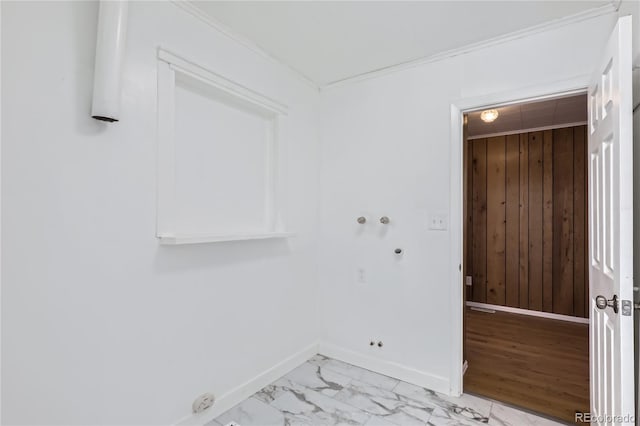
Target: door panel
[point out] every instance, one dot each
(611, 230)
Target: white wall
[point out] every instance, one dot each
(632, 7)
(103, 325)
(100, 324)
(385, 151)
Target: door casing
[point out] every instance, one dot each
(459, 107)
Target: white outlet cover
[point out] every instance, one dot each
(438, 222)
(203, 402)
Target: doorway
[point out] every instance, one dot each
(526, 298)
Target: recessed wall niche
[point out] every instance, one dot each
(219, 165)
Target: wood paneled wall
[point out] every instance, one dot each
(526, 224)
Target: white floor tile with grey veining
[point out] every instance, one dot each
(378, 421)
(319, 378)
(353, 372)
(325, 391)
(386, 404)
(463, 408)
(253, 412)
(313, 408)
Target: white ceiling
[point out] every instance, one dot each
(328, 41)
(532, 115)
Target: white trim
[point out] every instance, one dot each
(170, 66)
(636, 87)
(388, 368)
(191, 8)
(196, 12)
(533, 129)
(245, 390)
(0, 211)
(456, 253)
(485, 310)
(564, 88)
(167, 239)
(165, 151)
(540, 28)
(616, 4)
(220, 82)
(529, 312)
(574, 85)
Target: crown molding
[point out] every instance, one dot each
(616, 4)
(223, 29)
(189, 7)
(536, 29)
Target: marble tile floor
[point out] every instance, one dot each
(325, 391)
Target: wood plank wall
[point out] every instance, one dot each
(526, 241)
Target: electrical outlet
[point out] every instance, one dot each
(374, 343)
(203, 402)
(438, 222)
(468, 280)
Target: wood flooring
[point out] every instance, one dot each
(535, 363)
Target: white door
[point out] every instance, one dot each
(611, 232)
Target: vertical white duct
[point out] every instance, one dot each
(110, 45)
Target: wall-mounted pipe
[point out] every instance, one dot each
(110, 46)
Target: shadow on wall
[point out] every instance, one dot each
(205, 256)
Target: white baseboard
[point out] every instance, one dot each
(244, 391)
(528, 312)
(388, 368)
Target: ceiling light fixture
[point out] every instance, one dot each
(489, 115)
